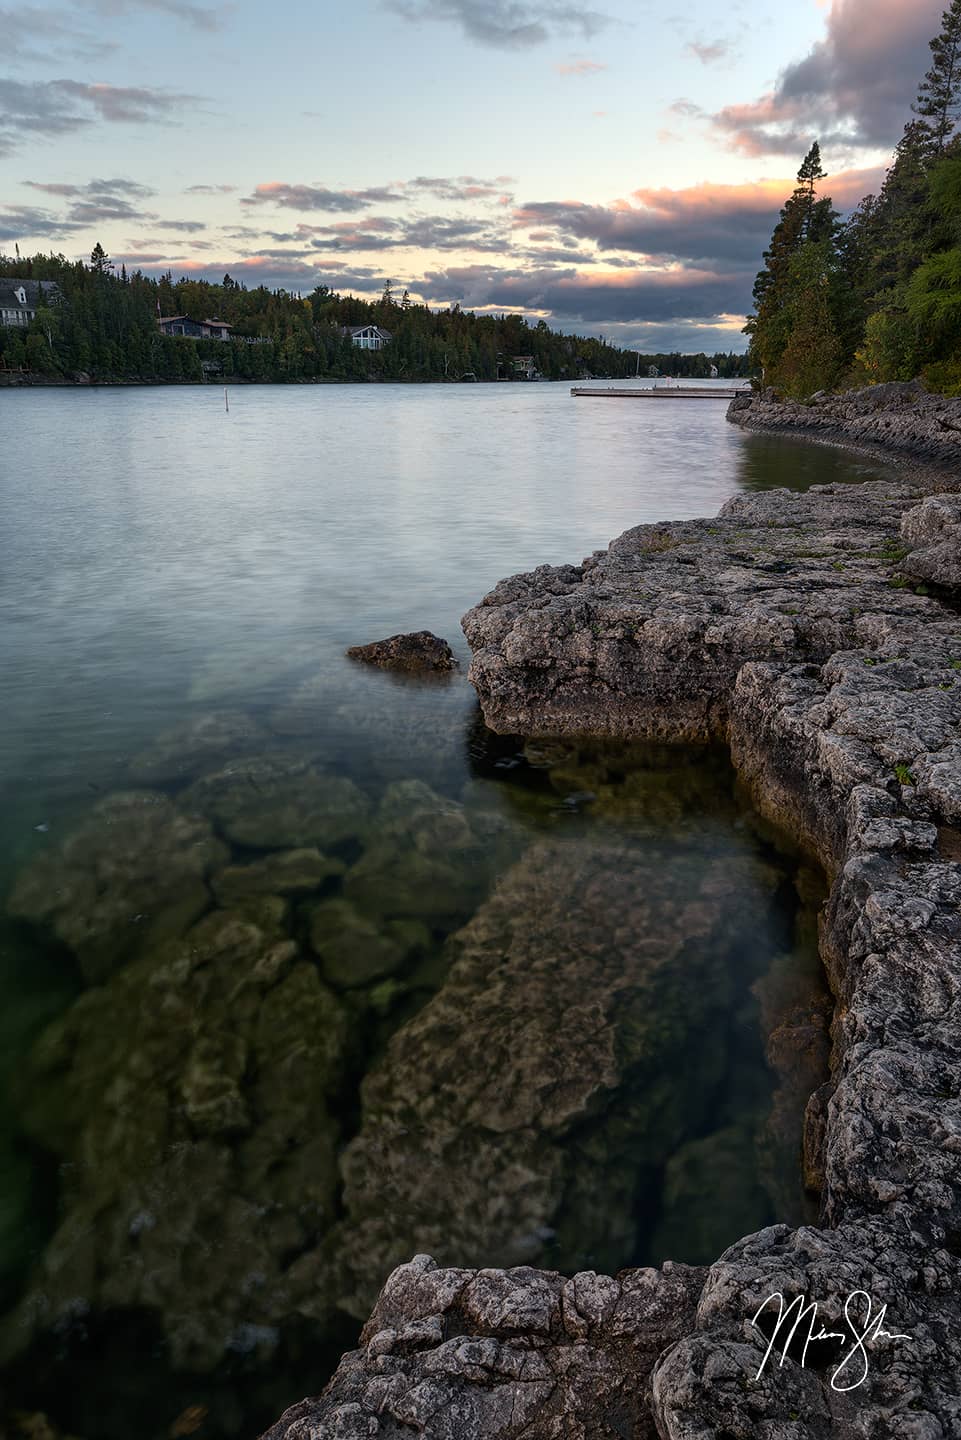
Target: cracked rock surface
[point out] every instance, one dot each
(788, 627)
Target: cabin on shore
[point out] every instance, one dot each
(524, 366)
(194, 329)
(367, 337)
(21, 299)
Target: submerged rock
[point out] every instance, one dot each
(284, 872)
(280, 803)
(189, 1102)
(573, 1047)
(185, 750)
(353, 951)
(428, 857)
(419, 652)
(130, 875)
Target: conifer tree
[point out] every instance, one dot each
(939, 95)
(804, 220)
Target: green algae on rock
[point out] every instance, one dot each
(189, 1099)
(129, 876)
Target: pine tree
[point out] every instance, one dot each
(939, 95)
(100, 262)
(804, 220)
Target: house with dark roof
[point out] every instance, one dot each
(367, 337)
(21, 299)
(194, 329)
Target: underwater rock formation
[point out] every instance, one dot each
(787, 627)
(131, 875)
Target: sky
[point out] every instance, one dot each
(614, 168)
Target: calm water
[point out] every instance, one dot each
(243, 1071)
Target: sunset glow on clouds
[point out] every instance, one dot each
(603, 169)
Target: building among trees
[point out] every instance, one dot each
(367, 337)
(21, 299)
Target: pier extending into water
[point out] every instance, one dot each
(667, 392)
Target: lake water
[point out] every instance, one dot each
(244, 1071)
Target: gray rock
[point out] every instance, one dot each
(417, 653)
(933, 531)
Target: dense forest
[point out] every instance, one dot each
(105, 327)
(877, 297)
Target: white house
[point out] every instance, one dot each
(367, 337)
(20, 299)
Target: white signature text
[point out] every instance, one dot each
(799, 1318)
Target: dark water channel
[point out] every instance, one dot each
(304, 971)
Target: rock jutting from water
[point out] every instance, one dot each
(417, 653)
(786, 626)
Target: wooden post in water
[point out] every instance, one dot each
(226, 401)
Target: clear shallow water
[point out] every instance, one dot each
(161, 560)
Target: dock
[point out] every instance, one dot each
(667, 392)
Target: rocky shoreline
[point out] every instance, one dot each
(818, 635)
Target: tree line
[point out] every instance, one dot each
(878, 296)
(105, 326)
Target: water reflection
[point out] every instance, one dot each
(382, 983)
(766, 460)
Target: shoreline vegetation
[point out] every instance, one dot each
(101, 328)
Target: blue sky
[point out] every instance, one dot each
(614, 168)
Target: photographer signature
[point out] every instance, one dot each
(793, 1315)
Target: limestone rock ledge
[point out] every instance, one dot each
(898, 416)
(786, 625)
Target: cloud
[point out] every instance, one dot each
(276, 272)
(854, 88)
(424, 232)
(706, 53)
(95, 189)
(703, 224)
(318, 197)
(99, 200)
(580, 67)
(59, 107)
(39, 34)
(626, 296)
(506, 24)
(185, 227)
(210, 189)
(201, 17)
(23, 222)
(462, 187)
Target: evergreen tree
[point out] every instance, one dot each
(100, 262)
(804, 220)
(939, 95)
